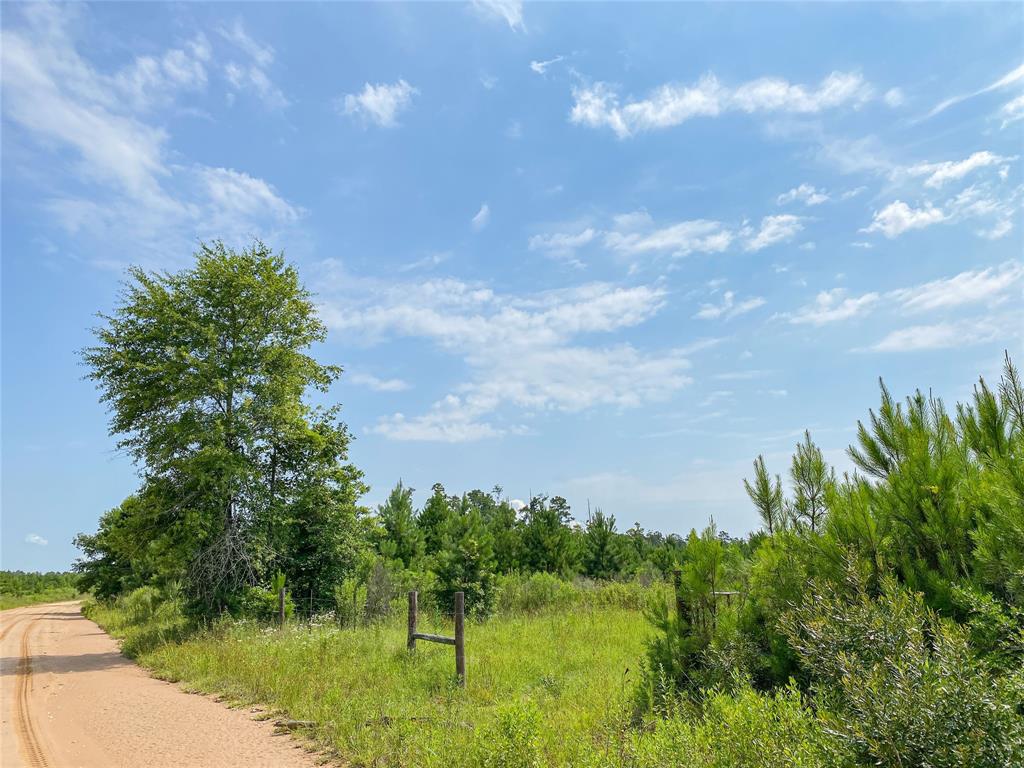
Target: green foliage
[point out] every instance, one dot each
(403, 539)
(812, 478)
(767, 497)
(264, 604)
(204, 372)
(742, 730)
(603, 555)
(19, 588)
(465, 562)
(513, 739)
(902, 686)
(145, 619)
(547, 542)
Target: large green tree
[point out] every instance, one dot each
(205, 372)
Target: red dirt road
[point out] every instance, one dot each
(70, 698)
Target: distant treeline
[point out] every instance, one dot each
(18, 583)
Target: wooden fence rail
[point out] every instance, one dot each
(459, 641)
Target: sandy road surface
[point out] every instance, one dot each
(69, 698)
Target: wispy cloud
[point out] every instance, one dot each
(562, 245)
(523, 351)
(1011, 77)
(1012, 111)
(480, 219)
(252, 73)
(379, 104)
(805, 194)
(134, 190)
(509, 11)
(774, 229)
(728, 307)
(36, 539)
(599, 106)
(832, 306)
(940, 173)
(944, 335)
(370, 381)
(540, 67)
(898, 217)
(972, 286)
(680, 239)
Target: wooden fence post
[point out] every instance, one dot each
(460, 638)
(280, 607)
(411, 642)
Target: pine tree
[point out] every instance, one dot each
(767, 497)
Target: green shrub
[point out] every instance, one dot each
(744, 730)
(900, 686)
(513, 739)
(264, 604)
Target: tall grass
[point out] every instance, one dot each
(549, 683)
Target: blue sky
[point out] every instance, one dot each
(611, 252)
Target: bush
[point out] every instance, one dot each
(263, 604)
(746, 729)
(513, 740)
(900, 686)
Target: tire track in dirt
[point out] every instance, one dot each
(34, 755)
(7, 630)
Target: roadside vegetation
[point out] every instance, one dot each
(18, 588)
(877, 618)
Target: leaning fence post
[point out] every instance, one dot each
(460, 638)
(280, 606)
(411, 642)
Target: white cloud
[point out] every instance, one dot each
(894, 97)
(370, 381)
(509, 11)
(999, 230)
(942, 336)
(132, 192)
(252, 75)
(240, 196)
(540, 67)
(380, 104)
(805, 193)
(598, 105)
(1008, 79)
(940, 173)
(480, 219)
(35, 538)
(1012, 111)
(834, 305)
(521, 351)
(681, 239)
(154, 80)
(774, 229)
(728, 308)
(983, 285)
(562, 244)
(898, 217)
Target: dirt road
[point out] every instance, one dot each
(69, 698)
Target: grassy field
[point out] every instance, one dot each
(554, 686)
